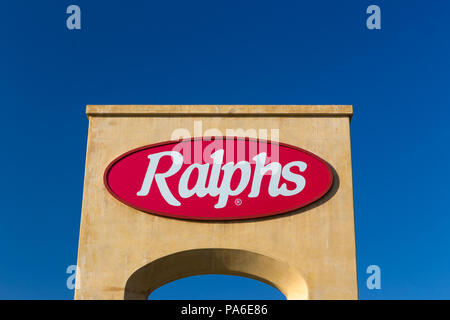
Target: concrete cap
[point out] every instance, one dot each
(220, 110)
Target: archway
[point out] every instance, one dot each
(216, 287)
(216, 261)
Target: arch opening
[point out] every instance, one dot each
(236, 262)
(216, 287)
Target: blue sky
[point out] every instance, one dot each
(229, 52)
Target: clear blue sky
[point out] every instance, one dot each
(229, 52)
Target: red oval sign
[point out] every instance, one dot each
(218, 178)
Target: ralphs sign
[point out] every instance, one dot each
(218, 178)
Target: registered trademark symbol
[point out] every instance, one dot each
(238, 202)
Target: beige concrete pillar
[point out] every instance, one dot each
(306, 254)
